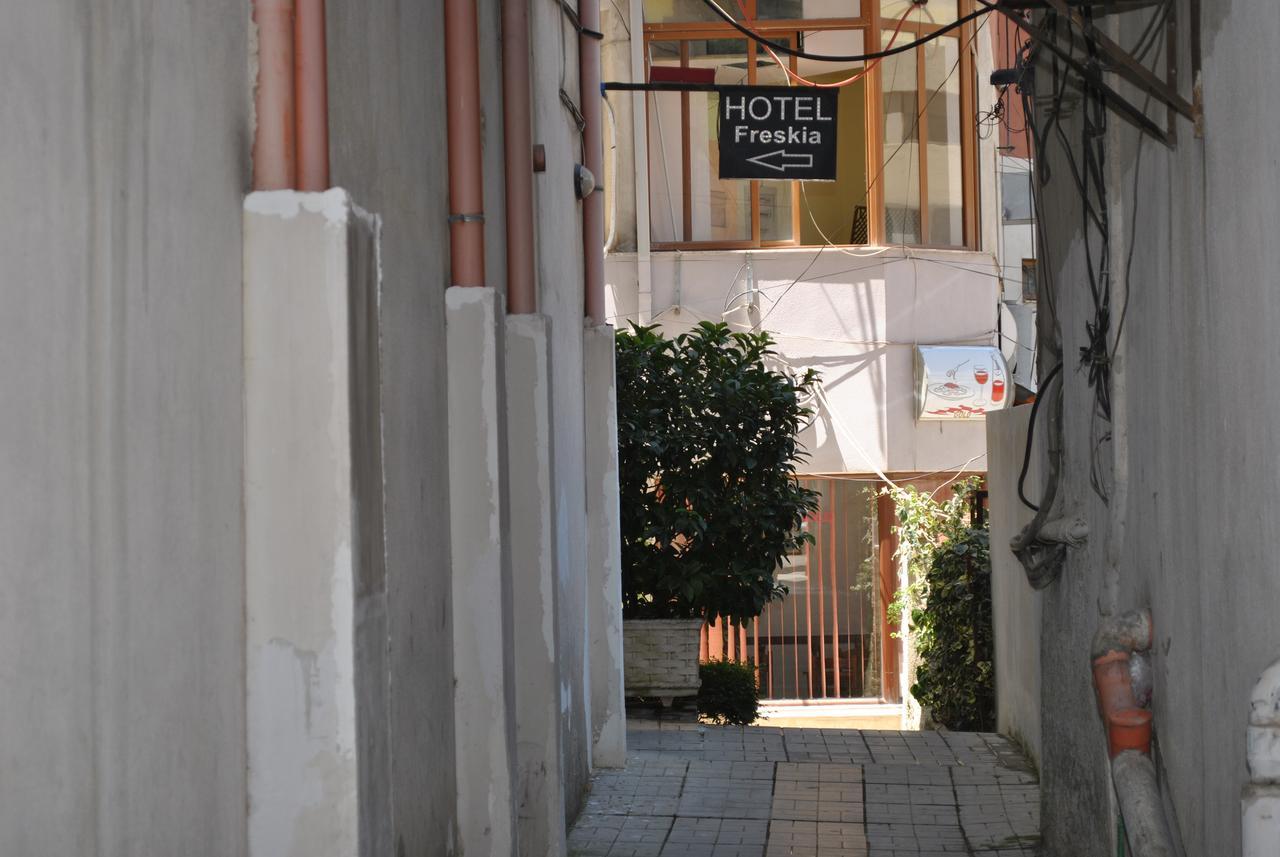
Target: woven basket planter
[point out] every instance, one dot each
(660, 657)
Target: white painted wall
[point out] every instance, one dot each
(1015, 606)
(122, 166)
(386, 103)
(855, 319)
(316, 666)
(559, 270)
(1199, 356)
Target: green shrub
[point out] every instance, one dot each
(729, 694)
(707, 457)
(949, 604)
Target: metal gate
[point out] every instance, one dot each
(824, 640)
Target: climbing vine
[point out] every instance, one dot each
(947, 601)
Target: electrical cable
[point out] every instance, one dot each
(1031, 429)
(851, 58)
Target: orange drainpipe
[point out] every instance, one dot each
(274, 165)
(518, 154)
(593, 144)
(312, 96)
(1127, 721)
(462, 107)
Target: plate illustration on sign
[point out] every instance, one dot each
(777, 132)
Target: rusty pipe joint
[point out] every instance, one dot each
(1121, 680)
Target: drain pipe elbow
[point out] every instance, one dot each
(1122, 682)
(1260, 800)
(1117, 655)
(1126, 632)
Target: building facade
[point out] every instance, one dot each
(309, 549)
(848, 276)
(1173, 488)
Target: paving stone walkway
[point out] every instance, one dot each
(703, 791)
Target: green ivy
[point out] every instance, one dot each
(729, 693)
(707, 456)
(948, 602)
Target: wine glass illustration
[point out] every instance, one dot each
(980, 375)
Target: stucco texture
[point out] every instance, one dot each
(1198, 545)
(386, 104)
(122, 166)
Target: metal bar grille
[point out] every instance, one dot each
(837, 653)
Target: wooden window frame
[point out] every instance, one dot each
(870, 23)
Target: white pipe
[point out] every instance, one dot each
(640, 168)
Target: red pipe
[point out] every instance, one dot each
(312, 96)
(462, 108)
(518, 154)
(274, 166)
(1128, 724)
(593, 144)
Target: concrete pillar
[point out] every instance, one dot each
(316, 670)
(484, 685)
(540, 787)
(604, 551)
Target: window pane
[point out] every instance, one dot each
(836, 212)
(933, 12)
(666, 172)
(663, 11)
(1015, 196)
(900, 165)
(943, 155)
(721, 209)
(775, 211)
(801, 9)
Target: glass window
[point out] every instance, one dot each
(920, 168)
(1015, 196)
(933, 12)
(900, 164)
(721, 209)
(836, 212)
(677, 11)
(943, 158)
(692, 11)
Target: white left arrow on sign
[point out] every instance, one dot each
(782, 160)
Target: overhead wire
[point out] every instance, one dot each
(846, 58)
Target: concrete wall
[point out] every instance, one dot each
(122, 164)
(1015, 606)
(559, 271)
(856, 319)
(316, 670)
(386, 109)
(1195, 536)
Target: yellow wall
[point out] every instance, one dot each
(832, 203)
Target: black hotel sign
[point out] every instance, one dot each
(778, 132)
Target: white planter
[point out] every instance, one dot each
(660, 657)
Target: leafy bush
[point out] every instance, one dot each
(707, 458)
(949, 600)
(729, 694)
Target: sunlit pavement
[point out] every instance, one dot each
(705, 791)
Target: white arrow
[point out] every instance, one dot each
(786, 159)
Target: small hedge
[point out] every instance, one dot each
(729, 694)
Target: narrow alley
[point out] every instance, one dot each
(704, 791)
